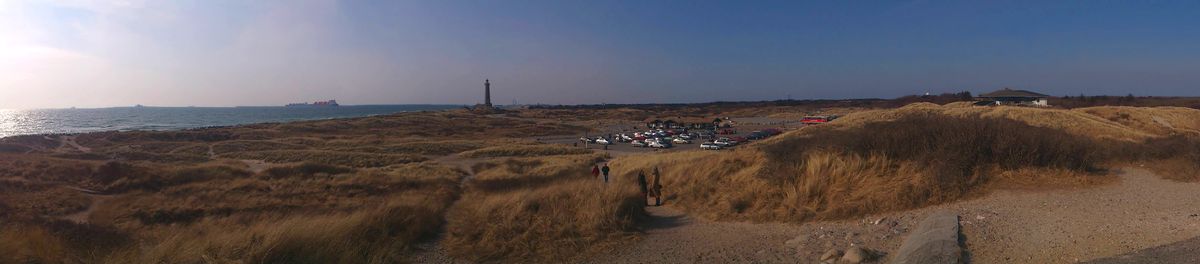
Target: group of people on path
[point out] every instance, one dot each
(596, 170)
(651, 190)
(648, 189)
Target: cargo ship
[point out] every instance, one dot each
(330, 103)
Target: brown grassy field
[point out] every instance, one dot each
(366, 190)
(353, 190)
(545, 209)
(930, 154)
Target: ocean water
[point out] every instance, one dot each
(54, 121)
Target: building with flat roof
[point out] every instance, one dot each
(1008, 96)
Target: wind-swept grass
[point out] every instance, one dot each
(831, 173)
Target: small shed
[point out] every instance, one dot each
(1008, 96)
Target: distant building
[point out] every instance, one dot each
(1008, 96)
(486, 107)
(487, 92)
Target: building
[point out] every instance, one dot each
(487, 92)
(1008, 96)
(486, 107)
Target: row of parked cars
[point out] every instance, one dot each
(668, 138)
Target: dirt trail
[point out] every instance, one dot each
(69, 141)
(674, 237)
(97, 200)
(1141, 211)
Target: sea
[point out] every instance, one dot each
(69, 121)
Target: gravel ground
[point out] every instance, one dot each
(1140, 218)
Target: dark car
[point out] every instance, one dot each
(756, 135)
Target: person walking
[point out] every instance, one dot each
(595, 171)
(657, 188)
(604, 170)
(642, 183)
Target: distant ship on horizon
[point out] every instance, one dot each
(330, 103)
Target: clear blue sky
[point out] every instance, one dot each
(224, 53)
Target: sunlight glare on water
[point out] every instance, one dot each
(60, 121)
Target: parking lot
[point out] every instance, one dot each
(743, 128)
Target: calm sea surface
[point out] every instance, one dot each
(46, 121)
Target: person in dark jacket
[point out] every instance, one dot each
(604, 170)
(642, 183)
(657, 188)
(595, 171)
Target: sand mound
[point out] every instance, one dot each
(1124, 123)
(1155, 120)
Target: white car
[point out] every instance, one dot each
(603, 141)
(659, 144)
(638, 144)
(710, 146)
(680, 140)
(723, 142)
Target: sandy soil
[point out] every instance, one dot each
(1139, 212)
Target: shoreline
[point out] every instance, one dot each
(168, 128)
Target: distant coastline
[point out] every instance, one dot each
(157, 118)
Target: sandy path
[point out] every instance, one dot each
(1141, 211)
(1142, 217)
(673, 237)
(69, 141)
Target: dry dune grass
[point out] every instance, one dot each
(1074, 122)
(524, 150)
(1155, 120)
(559, 222)
(833, 173)
(379, 234)
(307, 213)
(350, 159)
(512, 173)
(438, 147)
(543, 209)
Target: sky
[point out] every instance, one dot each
(77, 53)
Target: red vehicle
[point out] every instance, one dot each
(738, 139)
(816, 119)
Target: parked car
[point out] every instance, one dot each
(756, 135)
(710, 146)
(680, 140)
(639, 144)
(659, 144)
(812, 120)
(724, 142)
(738, 140)
(603, 141)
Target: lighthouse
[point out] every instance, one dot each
(487, 93)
